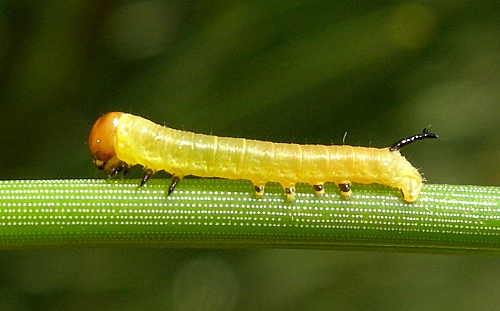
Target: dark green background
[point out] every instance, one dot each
(285, 71)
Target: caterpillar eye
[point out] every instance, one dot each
(101, 141)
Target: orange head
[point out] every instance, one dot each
(101, 142)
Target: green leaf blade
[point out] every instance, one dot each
(217, 213)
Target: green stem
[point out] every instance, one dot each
(217, 213)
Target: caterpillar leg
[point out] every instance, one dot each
(175, 182)
(320, 189)
(290, 192)
(121, 167)
(259, 191)
(125, 170)
(145, 176)
(345, 189)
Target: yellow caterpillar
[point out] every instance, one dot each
(119, 140)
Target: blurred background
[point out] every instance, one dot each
(285, 71)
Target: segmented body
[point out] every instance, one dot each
(181, 153)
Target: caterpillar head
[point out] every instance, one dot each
(101, 142)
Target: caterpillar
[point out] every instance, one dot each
(119, 141)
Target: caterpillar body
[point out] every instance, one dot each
(119, 140)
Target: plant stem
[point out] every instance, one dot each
(218, 213)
